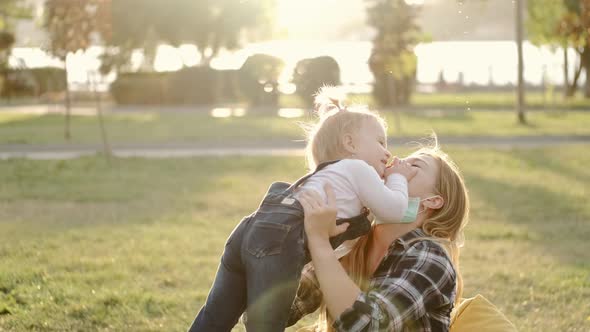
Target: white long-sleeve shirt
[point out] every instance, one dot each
(356, 185)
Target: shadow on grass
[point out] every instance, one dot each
(86, 192)
(553, 222)
(539, 160)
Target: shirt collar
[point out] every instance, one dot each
(405, 239)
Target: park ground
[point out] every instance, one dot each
(134, 245)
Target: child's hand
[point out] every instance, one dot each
(401, 167)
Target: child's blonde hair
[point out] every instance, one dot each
(325, 137)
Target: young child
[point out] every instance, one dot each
(264, 256)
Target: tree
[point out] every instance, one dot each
(10, 10)
(543, 27)
(393, 61)
(519, 24)
(520, 103)
(210, 25)
(311, 74)
(73, 25)
(258, 78)
(213, 24)
(565, 23)
(575, 27)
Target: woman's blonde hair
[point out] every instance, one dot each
(444, 226)
(325, 137)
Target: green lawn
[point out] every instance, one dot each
(134, 246)
(18, 128)
(502, 100)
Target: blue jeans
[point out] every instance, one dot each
(261, 266)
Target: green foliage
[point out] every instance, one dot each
(11, 10)
(193, 85)
(140, 88)
(259, 77)
(544, 17)
(33, 81)
(72, 24)
(311, 74)
(202, 85)
(254, 83)
(6, 40)
(393, 61)
(211, 25)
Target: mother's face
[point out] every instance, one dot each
(423, 184)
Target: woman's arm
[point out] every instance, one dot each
(419, 280)
(416, 289)
(340, 292)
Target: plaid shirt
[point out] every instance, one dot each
(412, 290)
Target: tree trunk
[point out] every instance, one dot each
(519, 37)
(103, 132)
(566, 68)
(68, 104)
(392, 88)
(586, 65)
(571, 89)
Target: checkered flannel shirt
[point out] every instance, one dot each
(413, 289)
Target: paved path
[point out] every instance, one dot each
(260, 148)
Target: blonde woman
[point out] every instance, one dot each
(263, 257)
(399, 277)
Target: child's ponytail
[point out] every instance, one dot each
(329, 100)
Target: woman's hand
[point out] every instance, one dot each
(320, 217)
(338, 290)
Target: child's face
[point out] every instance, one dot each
(371, 145)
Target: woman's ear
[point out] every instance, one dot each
(434, 202)
(349, 143)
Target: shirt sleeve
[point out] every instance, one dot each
(308, 298)
(387, 201)
(422, 282)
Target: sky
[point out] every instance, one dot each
(442, 20)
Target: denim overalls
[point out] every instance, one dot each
(261, 265)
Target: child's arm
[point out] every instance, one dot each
(388, 201)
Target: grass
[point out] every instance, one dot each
(135, 246)
(160, 127)
(499, 100)
(479, 100)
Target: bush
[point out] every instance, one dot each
(311, 74)
(140, 88)
(33, 82)
(193, 85)
(389, 91)
(258, 79)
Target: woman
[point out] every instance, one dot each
(400, 277)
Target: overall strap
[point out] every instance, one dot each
(304, 178)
